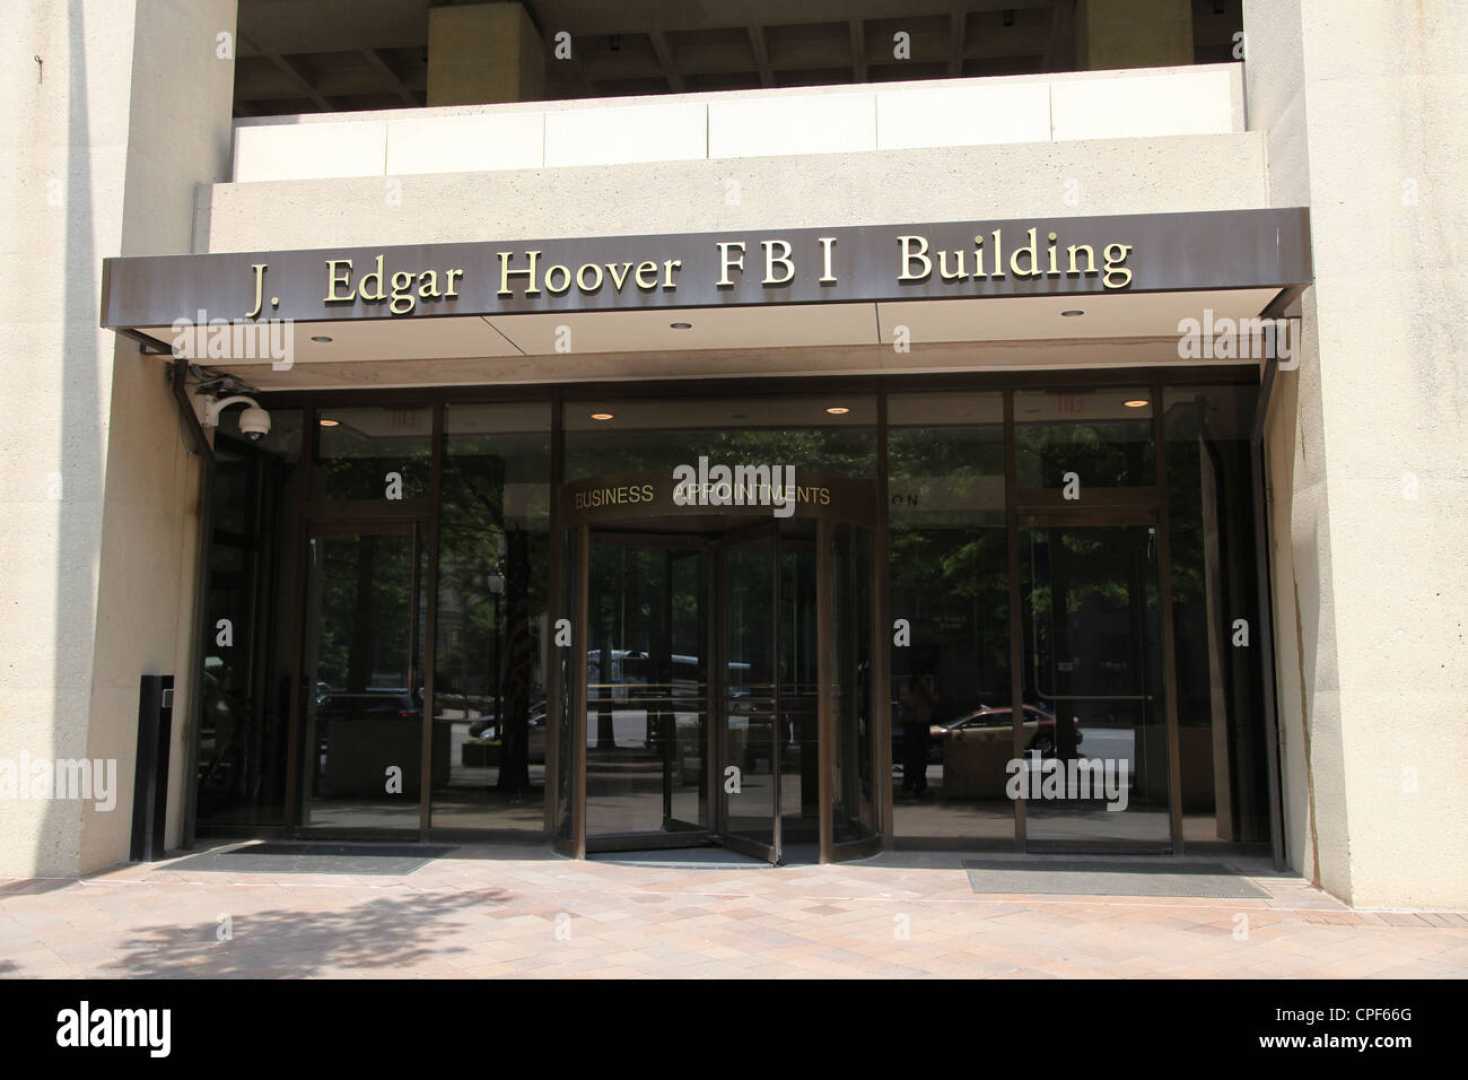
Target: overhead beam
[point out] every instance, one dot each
(633, 18)
(761, 54)
(379, 63)
(294, 74)
(664, 53)
(1060, 53)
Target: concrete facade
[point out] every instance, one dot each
(1360, 107)
(124, 110)
(124, 145)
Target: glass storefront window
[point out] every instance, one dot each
(833, 434)
(490, 709)
(249, 666)
(1225, 792)
(948, 573)
(682, 600)
(373, 454)
(1088, 438)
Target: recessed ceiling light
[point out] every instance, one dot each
(327, 421)
(1137, 403)
(838, 410)
(1071, 313)
(681, 325)
(321, 339)
(603, 416)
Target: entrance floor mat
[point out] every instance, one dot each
(711, 858)
(308, 858)
(1110, 877)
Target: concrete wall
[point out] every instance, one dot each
(1194, 100)
(127, 111)
(1110, 176)
(1361, 108)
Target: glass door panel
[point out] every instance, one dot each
(751, 725)
(364, 689)
(646, 692)
(799, 644)
(854, 814)
(1094, 729)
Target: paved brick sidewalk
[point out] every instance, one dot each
(519, 912)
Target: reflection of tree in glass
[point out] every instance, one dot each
(1106, 453)
(493, 572)
(843, 451)
(362, 636)
(367, 477)
(949, 556)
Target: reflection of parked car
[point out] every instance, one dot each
(377, 703)
(360, 732)
(487, 729)
(1039, 728)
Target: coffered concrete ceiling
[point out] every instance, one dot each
(307, 56)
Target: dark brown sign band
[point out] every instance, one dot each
(1073, 256)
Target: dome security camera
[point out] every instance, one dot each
(254, 423)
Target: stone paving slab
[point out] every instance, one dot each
(518, 912)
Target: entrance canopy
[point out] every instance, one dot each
(598, 307)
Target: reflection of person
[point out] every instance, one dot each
(918, 701)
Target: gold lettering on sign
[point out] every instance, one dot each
(726, 263)
(827, 243)
(783, 260)
(916, 260)
(1116, 255)
(1028, 250)
(375, 276)
(259, 269)
(335, 277)
(620, 495)
(914, 248)
(559, 278)
(400, 289)
(528, 273)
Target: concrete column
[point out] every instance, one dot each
(125, 109)
(1361, 105)
(1133, 33)
(479, 54)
